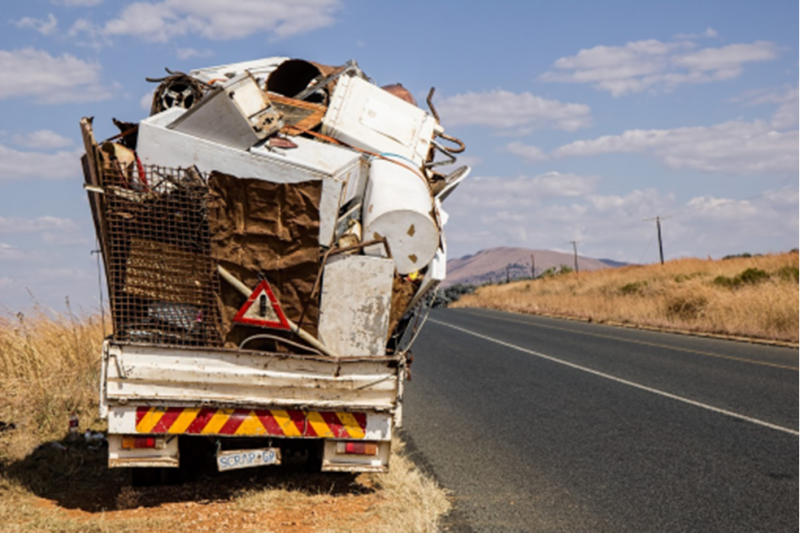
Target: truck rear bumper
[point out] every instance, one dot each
(244, 422)
(352, 441)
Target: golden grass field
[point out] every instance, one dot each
(754, 297)
(49, 368)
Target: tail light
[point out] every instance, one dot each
(132, 443)
(357, 448)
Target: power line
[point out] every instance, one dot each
(646, 248)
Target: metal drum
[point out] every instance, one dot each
(398, 206)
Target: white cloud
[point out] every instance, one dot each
(188, 53)
(547, 211)
(42, 139)
(786, 116)
(52, 230)
(76, 3)
(512, 112)
(50, 80)
(45, 27)
(18, 225)
(13, 253)
(735, 147)
(709, 33)
(221, 19)
(526, 151)
(521, 192)
(15, 164)
(641, 65)
(65, 274)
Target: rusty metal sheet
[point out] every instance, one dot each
(298, 115)
(355, 304)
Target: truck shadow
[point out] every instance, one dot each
(74, 474)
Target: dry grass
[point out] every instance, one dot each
(697, 295)
(49, 368)
(401, 500)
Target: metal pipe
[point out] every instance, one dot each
(246, 291)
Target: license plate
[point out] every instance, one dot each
(234, 459)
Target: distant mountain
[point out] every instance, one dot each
(490, 265)
(614, 264)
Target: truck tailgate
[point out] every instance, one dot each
(145, 374)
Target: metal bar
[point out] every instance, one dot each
(246, 291)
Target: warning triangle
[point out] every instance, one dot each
(262, 309)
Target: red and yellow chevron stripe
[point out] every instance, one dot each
(251, 422)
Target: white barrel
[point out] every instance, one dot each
(398, 206)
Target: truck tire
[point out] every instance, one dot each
(153, 477)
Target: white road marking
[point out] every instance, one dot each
(623, 381)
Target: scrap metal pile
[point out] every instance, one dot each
(276, 205)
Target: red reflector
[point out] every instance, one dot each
(361, 448)
(129, 443)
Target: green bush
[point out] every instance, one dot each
(753, 276)
(789, 273)
(725, 281)
(633, 287)
(449, 295)
(750, 276)
(685, 307)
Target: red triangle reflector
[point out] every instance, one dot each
(263, 310)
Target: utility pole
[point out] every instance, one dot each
(658, 220)
(533, 267)
(508, 275)
(575, 252)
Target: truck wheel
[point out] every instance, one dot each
(153, 477)
(314, 459)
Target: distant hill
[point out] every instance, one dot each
(614, 264)
(490, 265)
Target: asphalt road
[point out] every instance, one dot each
(538, 424)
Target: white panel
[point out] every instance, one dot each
(355, 303)
(233, 116)
(311, 160)
(149, 373)
(368, 117)
(259, 68)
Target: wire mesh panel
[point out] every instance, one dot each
(163, 283)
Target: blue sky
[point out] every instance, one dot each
(581, 119)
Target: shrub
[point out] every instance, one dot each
(633, 287)
(789, 273)
(753, 276)
(750, 276)
(685, 307)
(725, 281)
(451, 294)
